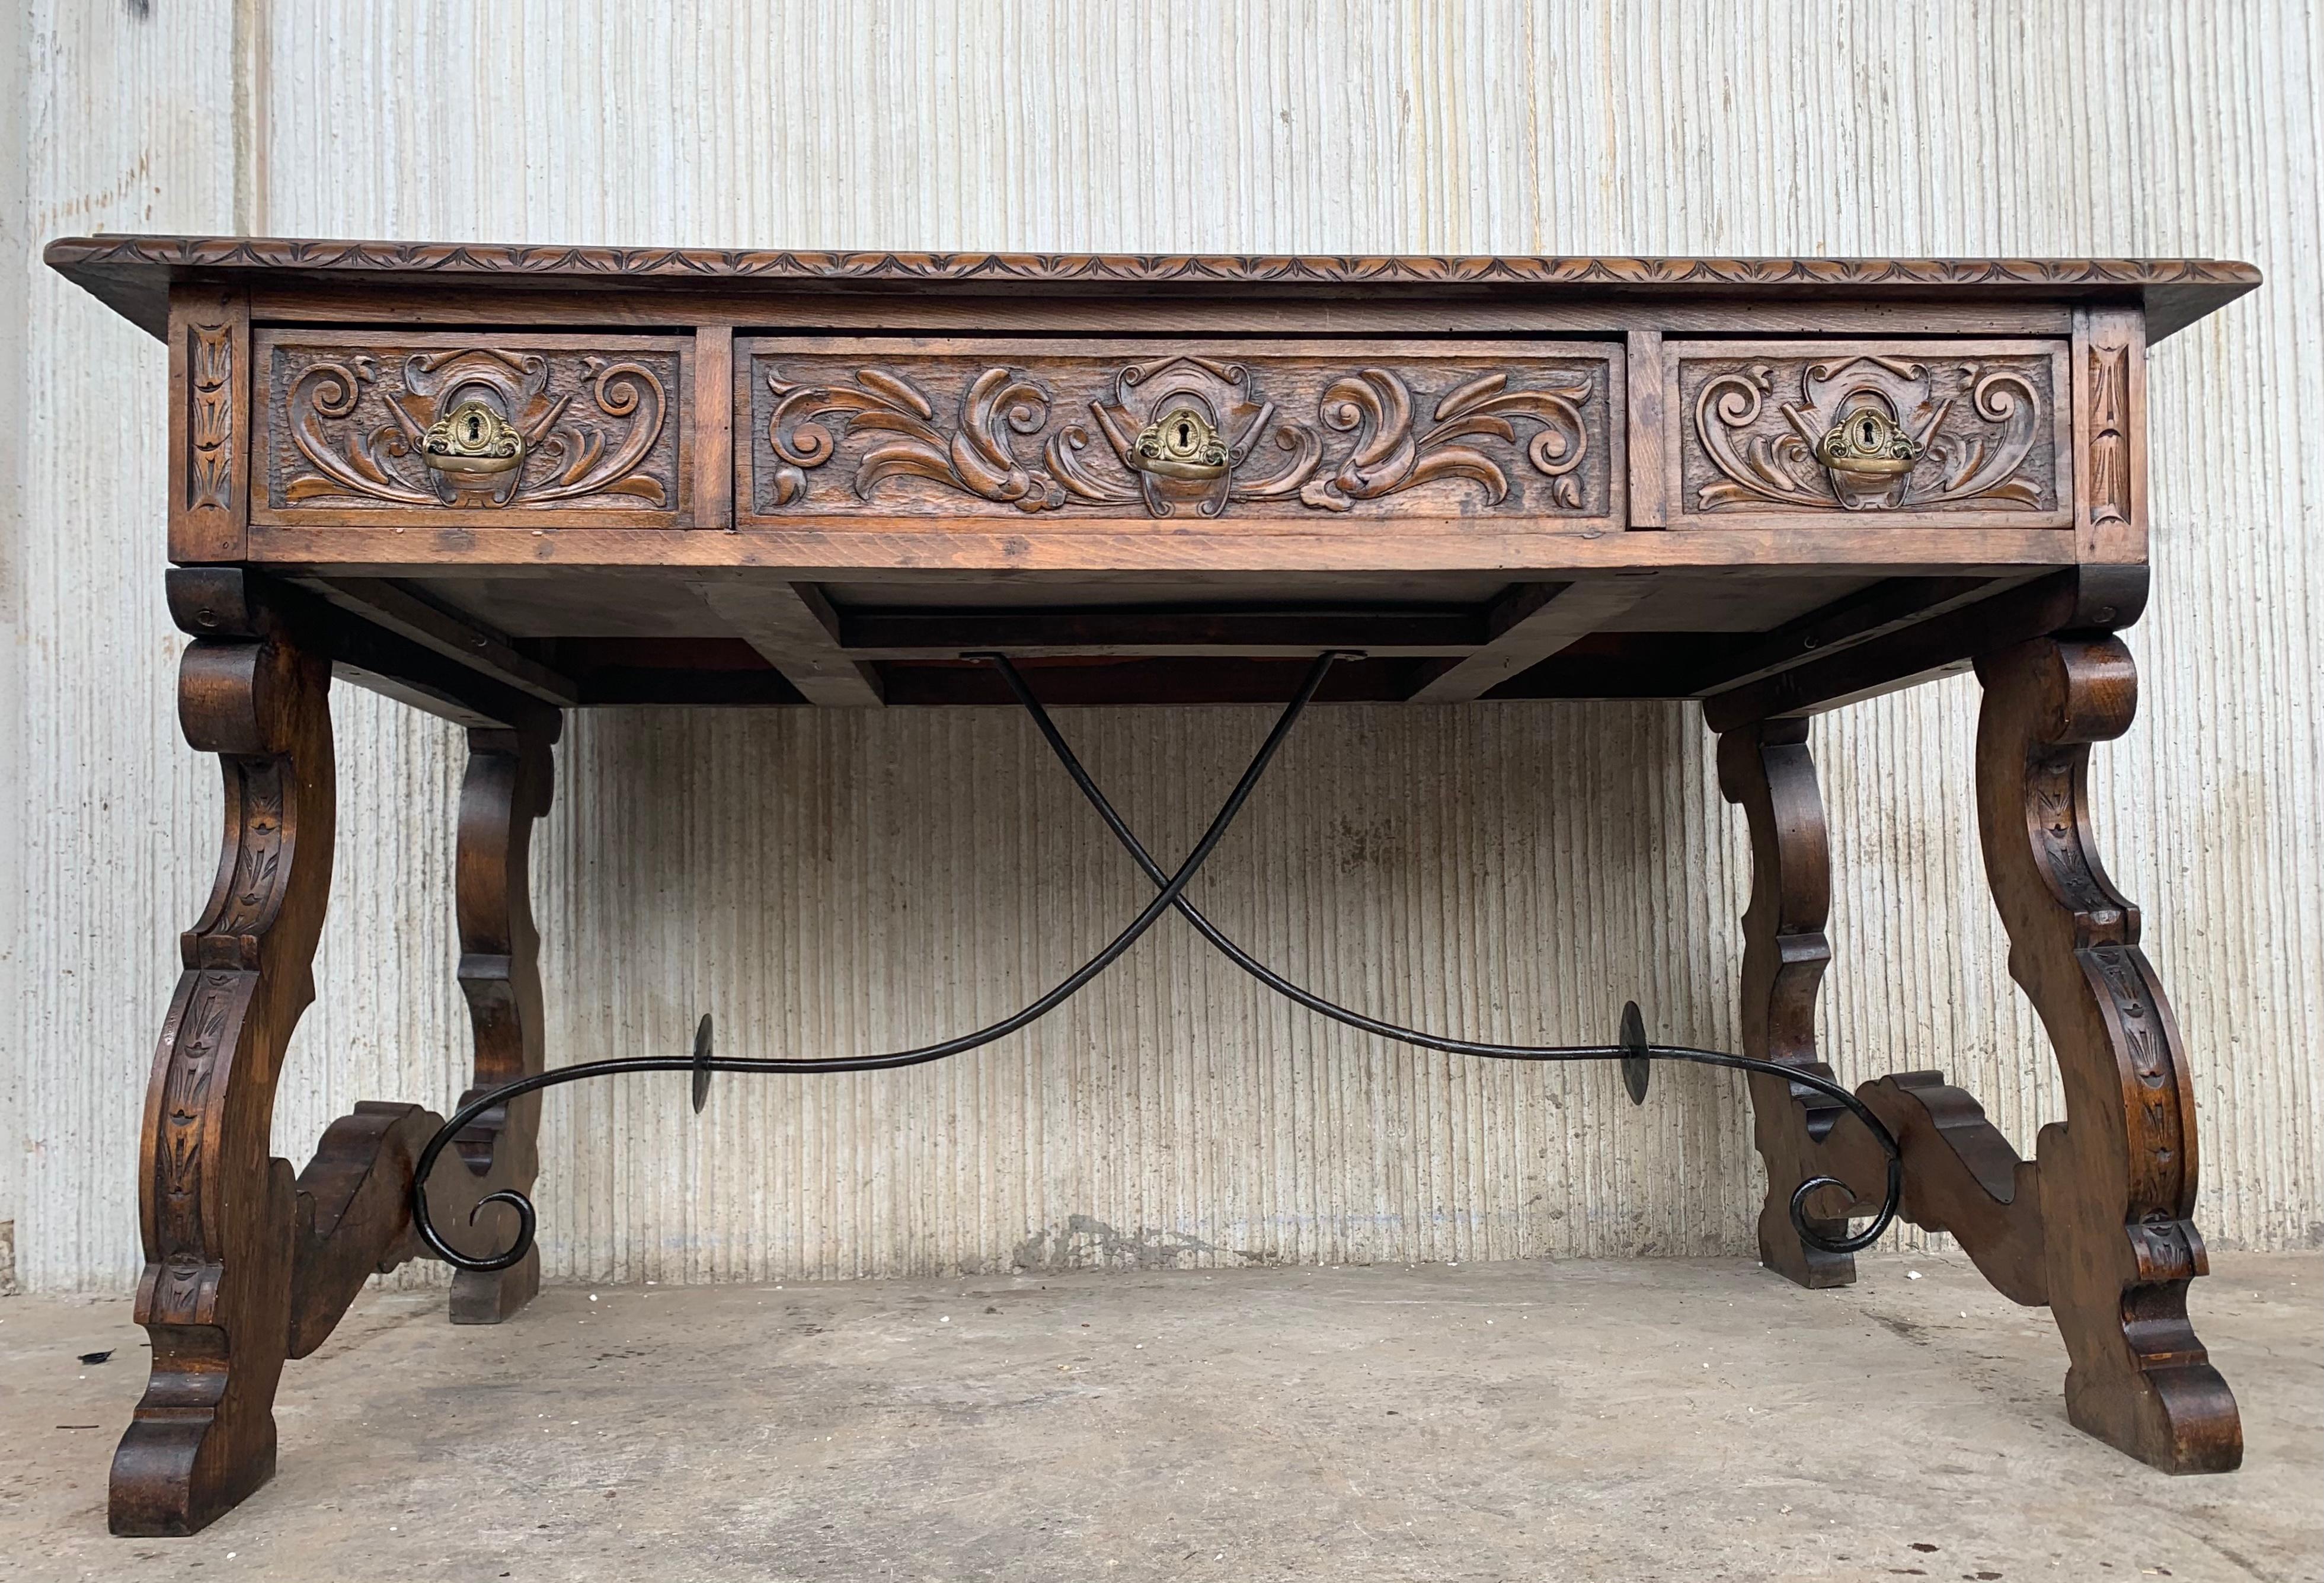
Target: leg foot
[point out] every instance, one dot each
(217, 1212)
(2118, 1177)
(1767, 770)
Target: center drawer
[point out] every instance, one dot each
(840, 433)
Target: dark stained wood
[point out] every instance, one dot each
(1767, 770)
(1648, 477)
(210, 423)
(975, 308)
(1990, 422)
(217, 1211)
(508, 785)
(1961, 1177)
(1621, 665)
(1527, 626)
(603, 425)
(354, 1212)
(130, 271)
(785, 479)
(2118, 1175)
(944, 632)
(2110, 463)
(1886, 606)
(439, 677)
(714, 441)
(2095, 598)
(793, 628)
(1048, 432)
(1157, 681)
(410, 613)
(872, 544)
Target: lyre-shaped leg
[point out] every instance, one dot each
(508, 785)
(2118, 1177)
(217, 1212)
(1767, 770)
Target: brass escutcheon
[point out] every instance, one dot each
(1181, 444)
(1867, 443)
(472, 440)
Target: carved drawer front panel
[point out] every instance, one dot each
(478, 429)
(1918, 433)
(1138, 432)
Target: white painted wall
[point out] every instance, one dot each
(831, 882)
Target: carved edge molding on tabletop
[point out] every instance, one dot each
(1861, 427)
(1181, 428)
(474, 425)
(707, 263)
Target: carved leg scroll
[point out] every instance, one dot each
(2118, 1178)
(1766, 769)
(218, 1213)
(509, 784)
(244, 1265)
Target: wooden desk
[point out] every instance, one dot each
(504, 482)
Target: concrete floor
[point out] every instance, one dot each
(1650, 1420)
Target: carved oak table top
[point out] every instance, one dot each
(502, 482)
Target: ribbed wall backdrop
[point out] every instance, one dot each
(830, 882)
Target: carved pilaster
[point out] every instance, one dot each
(209, 424)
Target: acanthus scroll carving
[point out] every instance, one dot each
(973, 455)
(1872, 432)
(1183, 434)
(352, 428)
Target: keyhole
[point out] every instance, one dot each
(475, 428)
(1867, 432)
(1185, 435)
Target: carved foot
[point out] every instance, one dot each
(2118, 1177)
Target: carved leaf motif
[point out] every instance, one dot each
(595, 427)
(975, 457)
(209, 471)
(630, 393)
(2110, 445)
(694, 264)
(1376, 404)
(1776, 469)
(1483, 430)
(1967, 435)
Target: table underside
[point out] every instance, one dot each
(655, 635)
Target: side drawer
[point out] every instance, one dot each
(837, 434)
(479, 429)
(1910, 433)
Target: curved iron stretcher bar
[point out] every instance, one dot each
(1169, 897)
(701, 1061)
(1315, 1003)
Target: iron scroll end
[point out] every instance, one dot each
(702, 1064)
(1635, 1064)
